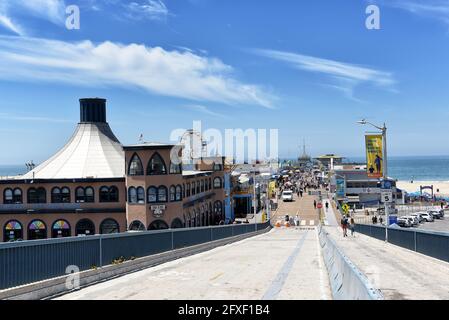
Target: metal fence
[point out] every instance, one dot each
(433, 244)
(30, 261)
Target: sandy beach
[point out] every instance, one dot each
(439, 187)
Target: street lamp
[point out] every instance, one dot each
(383, 129)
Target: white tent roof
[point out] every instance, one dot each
(93, 151)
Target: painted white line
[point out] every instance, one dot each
(303, 222)
(312, 222)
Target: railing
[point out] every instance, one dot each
(433, 244)
(30, 261)
(346, 280)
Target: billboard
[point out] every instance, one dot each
(374, 155)
(340, 188)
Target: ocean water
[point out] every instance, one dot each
(12, 170)
(401, 168)
(435, 168)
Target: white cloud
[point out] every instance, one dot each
(346, 75)
(438, 9)
(50, 10)
(10, 25)
(150, 9)
(169, 73)
(205, 110)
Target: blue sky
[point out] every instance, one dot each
(309, 68)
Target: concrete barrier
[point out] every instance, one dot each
(57, 286)
(347, 281)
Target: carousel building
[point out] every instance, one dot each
(95, 185)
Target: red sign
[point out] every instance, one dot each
(319, 205)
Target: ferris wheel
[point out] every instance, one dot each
(193, 144)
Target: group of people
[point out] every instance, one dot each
(293, 221)
(347, 223)
(375, 220)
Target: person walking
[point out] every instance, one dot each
(352, 226)
(327, 205)
(297, 220)
(344, 225)
(314, 204)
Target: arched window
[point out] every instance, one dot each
(158, 225)
(135, 166)
(113, 194)
(37, 230)
(140, 195)
(55, 195)
(17, 196)
(80, 195)
(183, 190)
(175, 168)
(136, 225)
(109, 194)
(8, 196)
(152, 195)
(109, 226)
(172, 193)
(178, 193)
(198, 190)
(156, 166)
(85, 227)
(217, 183)
(177, 224)
(60, 229)
(210, 183)
(202, 185)
(162, 194)
(132, 195)
(38, 195)
(65, 195)
(59, 195)
(89, 195)
(12, 231)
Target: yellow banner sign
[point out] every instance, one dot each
(374, 155)
(272, 189)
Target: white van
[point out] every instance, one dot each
(287, 195)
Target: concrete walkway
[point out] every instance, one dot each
(399, 273)
(282, 264)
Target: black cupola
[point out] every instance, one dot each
(92, 110)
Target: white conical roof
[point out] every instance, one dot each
(92, 152)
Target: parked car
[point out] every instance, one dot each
(436, 214)
(427, 216)
(419, 216)
(287, 195)
(403, 222)
(413, 220)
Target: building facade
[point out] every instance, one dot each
(94, 185)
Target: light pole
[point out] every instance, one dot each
(384, 167)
